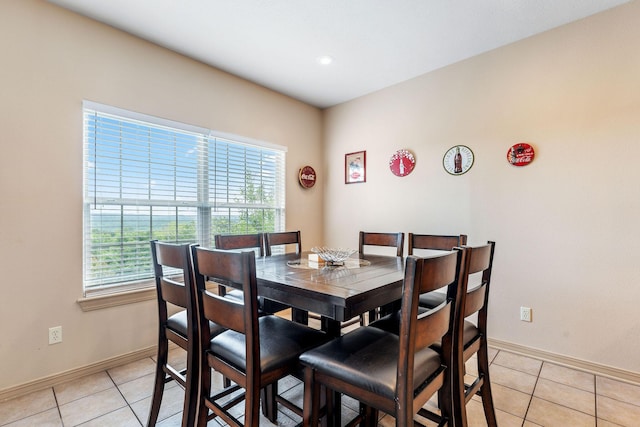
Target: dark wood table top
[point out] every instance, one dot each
(338, 293)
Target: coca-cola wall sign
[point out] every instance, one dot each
(307, 177)
(402, 162)
(520, 154)
(458, 160)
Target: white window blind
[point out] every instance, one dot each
(148, 178)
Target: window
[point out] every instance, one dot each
(147, 178)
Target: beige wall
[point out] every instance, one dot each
(51, 60)
(566, 226)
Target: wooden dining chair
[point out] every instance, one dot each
(424, 243)
(255, 352)
(382, 239)
(287, 239)
(395, 373)
(282, 239)
(379, 239)
(256, 243)
(435, 242)
(240, 241)
(472, 336)
(174, 285)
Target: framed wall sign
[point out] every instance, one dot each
(355, 167)
(458, 160)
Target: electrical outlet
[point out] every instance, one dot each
(525, 314)
(55, 335)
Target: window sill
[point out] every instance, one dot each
(99, 302)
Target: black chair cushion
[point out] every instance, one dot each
(368, 359)
(265, 306)
(469, 332)
(432, 299)
(178, 324)
(391, 322)
(281, 342)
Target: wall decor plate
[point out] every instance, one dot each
(402, 162)
(520, 154)
(307, 177)
(458, 160)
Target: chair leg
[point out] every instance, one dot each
(158, 388)
(456, 398)
(204, 384)
(311, 404)
(369, 416)
(485, 390)
(269, 405)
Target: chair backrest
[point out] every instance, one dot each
(240, 241)
(237, 270)
(435, 242)
(382, 239)
(476, 298)
(174, 284)
(282, 238)
(419, 330)
(173, 277)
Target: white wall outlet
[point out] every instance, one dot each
(525, 314)
(55, 335)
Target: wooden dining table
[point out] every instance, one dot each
(337, 293)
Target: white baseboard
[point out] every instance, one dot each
(73, 374)
(569, 362)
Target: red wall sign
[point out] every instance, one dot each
(307, 177)
(521, 154)
(402, 163)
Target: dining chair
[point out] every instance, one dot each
(434, 242)
(382, 239)
(255, 352)
(174, 285)
(229, 242)
(256, 243)
(285, 238)
(395, 373)
(421, 243)
(379, 239)
(281, 239)
(472, 336)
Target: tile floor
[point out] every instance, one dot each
(527, 393)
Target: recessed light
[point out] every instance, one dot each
(324, 60)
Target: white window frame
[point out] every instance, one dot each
(269, 178)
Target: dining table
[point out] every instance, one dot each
(336, 292)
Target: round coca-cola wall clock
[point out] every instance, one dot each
(520, 154)
(307, 176)
(402, 162)
(458, 160)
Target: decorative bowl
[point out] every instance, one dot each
(333, 256)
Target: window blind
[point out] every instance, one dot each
(148, 178)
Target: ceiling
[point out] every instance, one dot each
(374, 43)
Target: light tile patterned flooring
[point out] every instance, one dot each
(527, 393)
